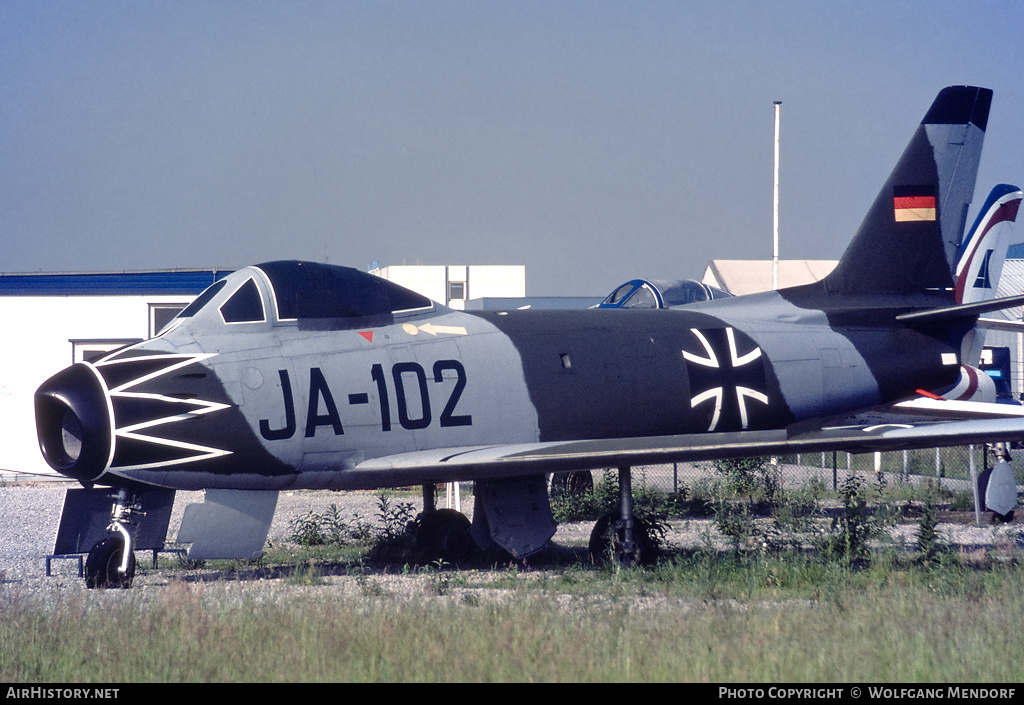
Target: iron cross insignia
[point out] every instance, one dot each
(727, 375)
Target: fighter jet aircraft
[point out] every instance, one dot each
(290, 375)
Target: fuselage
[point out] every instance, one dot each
(255, 388)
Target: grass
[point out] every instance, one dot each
(689, 619)
(786, 613)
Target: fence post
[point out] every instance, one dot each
(974, 486)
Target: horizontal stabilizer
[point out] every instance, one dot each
(960, 311)
(955, 409)
(1000, 324)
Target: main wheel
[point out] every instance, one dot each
(445, 534)
(608, 542)
(101, 567)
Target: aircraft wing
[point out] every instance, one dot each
(534, 458)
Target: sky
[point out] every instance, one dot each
(591, 141)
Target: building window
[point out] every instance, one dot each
(162, 314)
(457, 290)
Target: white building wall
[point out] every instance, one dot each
(38, 335)
(497, 281)
(428, 280)
(442, 282)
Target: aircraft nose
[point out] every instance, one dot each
(73, 423)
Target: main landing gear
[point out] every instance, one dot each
(518, 520)
(443, 534)
(111, 561)
(620, 536)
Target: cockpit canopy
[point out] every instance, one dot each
(661, 293)
(305, 290)
(315, 295)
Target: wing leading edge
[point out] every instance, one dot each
(449, 464)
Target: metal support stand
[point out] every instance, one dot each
(68, 557)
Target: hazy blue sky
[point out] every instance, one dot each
(591, 141)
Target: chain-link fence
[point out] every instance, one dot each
(950, 465)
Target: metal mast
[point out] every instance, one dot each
(775, 205)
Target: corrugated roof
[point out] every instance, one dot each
(741, 276)
(751, 276)
(1011, 283)
(170, 282)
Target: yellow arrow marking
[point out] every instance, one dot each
(433, 330)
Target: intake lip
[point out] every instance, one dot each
(73, 423)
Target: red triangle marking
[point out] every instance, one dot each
(368, 334)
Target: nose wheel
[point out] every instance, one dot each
(111, 561)
(103, 567)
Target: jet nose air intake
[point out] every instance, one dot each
(73, 423)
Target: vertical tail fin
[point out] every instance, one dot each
(984, 248)
(982, 256)
(908, 241)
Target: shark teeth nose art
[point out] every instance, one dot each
(148, 417)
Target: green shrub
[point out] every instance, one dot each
(329, 528)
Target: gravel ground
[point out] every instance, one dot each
(29, 515)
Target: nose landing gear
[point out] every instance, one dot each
(103, 567)
(111, 561)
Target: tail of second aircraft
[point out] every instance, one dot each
(982, 256)
(984, 248)
(909, 240)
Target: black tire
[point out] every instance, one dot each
(445, 534)
(102, 564)
(605, 542)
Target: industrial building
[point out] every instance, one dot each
(454, 285)
(740, 276)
